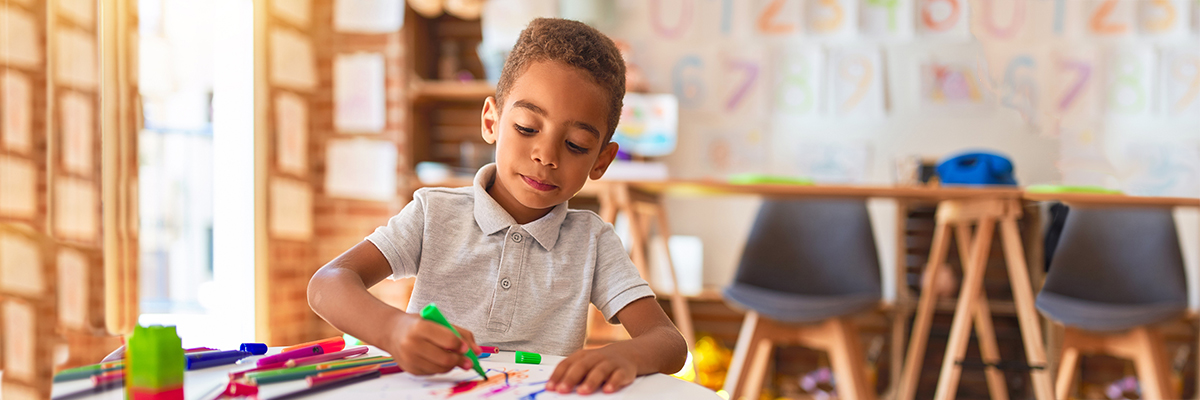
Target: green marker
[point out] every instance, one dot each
(430, 312)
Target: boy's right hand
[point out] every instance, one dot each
(423, 347)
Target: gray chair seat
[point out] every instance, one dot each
(797, 308)
(1115, 269)
(808, 260)
(1106, 317)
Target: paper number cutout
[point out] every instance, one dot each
(944, 24)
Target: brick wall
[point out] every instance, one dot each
(337, 223)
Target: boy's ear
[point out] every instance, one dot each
(490, 120)
(607, 154)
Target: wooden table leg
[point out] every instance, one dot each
(925, 307)
(968, 297)
(1027, 315)
(984, 330)
(678, 303)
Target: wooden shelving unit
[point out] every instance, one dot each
(444, 109)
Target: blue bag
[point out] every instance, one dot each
(980, 168)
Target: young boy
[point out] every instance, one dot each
(505, 259)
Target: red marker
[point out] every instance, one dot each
(489, 349)
(330, 345)
(108, 378)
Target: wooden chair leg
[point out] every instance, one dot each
(761, 358)
(736, 376)
(970, 294)
(1068, 363)
(1150, 360)
(925, 307)
(848, 361)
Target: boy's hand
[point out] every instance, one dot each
(422, 347)
(596, 369)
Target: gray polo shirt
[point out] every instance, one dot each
(518, 287)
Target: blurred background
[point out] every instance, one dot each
(192, 163)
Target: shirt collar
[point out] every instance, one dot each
(492, 218)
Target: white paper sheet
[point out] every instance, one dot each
(886, 19)
(18, 177)
(293, 64)
(16, 100)
(76, 209)
(19, 331)
(798, 82)
(943, 19)
(21, 266)
(19, 35)
(1179, 74)
(79, 133)
(291, 209)
(1130, 83)
(361, 169)
(72, 288)
(856, 82)
(358, 87)
(82, 12)
(291, 133)
(295, 12)
(77, 59)
(368, 16)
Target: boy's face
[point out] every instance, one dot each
(549, 138)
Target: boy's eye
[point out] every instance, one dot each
(577, 148)
(525, 131)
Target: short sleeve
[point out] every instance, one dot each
(616, 282)
(400, 239)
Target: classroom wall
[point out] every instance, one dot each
(1075, 92)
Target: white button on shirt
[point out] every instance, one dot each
(472, 259)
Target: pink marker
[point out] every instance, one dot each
(489, 349)
(320, 358)
(288, 355)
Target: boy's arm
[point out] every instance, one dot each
(338, 293)
(656, 346)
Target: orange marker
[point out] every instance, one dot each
(330, 345)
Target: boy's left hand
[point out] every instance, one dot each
(589, 369)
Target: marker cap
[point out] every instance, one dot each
(257, 349)
(528, 358)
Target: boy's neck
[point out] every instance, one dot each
(523, 215)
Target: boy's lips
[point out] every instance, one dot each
(539, 185)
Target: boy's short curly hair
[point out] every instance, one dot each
(573, 43)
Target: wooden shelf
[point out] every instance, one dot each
(451, 90)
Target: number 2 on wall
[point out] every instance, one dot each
(766, 20)
(1100, 23)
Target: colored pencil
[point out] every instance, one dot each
(86, 371)
(344, 381)
(291, 374)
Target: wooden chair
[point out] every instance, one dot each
(1116, 272)
(807, 266)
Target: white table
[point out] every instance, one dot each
(203, 384)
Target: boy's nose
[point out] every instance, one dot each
(545, 155)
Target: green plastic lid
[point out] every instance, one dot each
(528, 358)
(1070, 189)
(751, 179)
